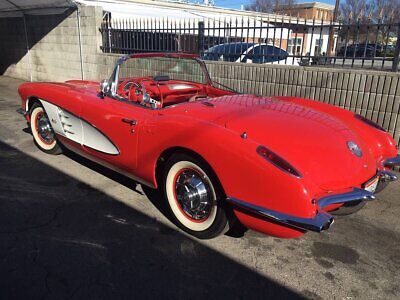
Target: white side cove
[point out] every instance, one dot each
(78, 130)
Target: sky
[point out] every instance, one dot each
(236, 3)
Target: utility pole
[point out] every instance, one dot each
(331, 28)
(336, 11)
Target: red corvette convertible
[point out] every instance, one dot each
(279, 165)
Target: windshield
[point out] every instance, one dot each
(186, 69)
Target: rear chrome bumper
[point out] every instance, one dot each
(322, 220)
(386, 176)
(392, 162)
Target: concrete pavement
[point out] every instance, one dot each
(71, 229)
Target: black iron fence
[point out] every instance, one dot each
(355, 44)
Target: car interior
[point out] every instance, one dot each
(161, 91)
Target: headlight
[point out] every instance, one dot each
(277, 161)
(369, 122)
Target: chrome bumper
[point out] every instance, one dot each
(386, 176)
(392, 162)
(322, 220)
(22, 112)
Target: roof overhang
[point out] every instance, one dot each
(18, 8)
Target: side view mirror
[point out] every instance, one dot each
(104, 88)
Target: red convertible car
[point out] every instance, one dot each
(278, 165)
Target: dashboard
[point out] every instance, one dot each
(158, 91)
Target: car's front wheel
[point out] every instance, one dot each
(194, 197)
(43, 134)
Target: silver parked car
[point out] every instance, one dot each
(250, 53)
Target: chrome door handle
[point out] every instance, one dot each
(129, 121)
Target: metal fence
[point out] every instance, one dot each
(291, 41)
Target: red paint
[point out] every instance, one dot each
(309, 135)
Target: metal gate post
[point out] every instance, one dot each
(395, 65)
(200, 41)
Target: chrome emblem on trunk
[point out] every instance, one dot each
(354, 148)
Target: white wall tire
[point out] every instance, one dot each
(49, 143)
(193, 197)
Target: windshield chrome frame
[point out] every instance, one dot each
(113, 80)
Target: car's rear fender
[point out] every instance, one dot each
(243, 173)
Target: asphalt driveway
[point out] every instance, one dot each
(71, 229)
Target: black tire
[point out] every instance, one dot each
(49, 145)
(348, 208)
(203, 224)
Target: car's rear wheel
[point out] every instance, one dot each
(194, 197)
(42, 132)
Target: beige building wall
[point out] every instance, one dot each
(307, 11)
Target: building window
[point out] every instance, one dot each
(318, 46)
(295, 45)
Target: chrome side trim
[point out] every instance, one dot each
(391, 162)
(356, 194)
(21, 111)
(321, 221)
(387, 176)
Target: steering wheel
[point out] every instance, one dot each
(135, 91)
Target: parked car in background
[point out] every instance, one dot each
(278, 165)
(361, 50)
(250, 53)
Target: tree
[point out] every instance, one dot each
(369, 21)
(354, 10)
(268, 6)
(386, 10)
(365, 10)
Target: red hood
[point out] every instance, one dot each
(86, 84)
(315, 143)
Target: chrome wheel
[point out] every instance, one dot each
(193, 194)
(193, 197)
(42, 132)
(44, 129)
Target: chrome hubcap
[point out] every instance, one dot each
(193, 194)
(44, 129)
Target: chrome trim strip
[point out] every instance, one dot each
(21, 111)
(391, 162)
(356, 194)
(386, 176)
(321, 221)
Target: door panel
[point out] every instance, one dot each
(120, 123)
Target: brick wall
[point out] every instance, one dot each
(54, 46)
